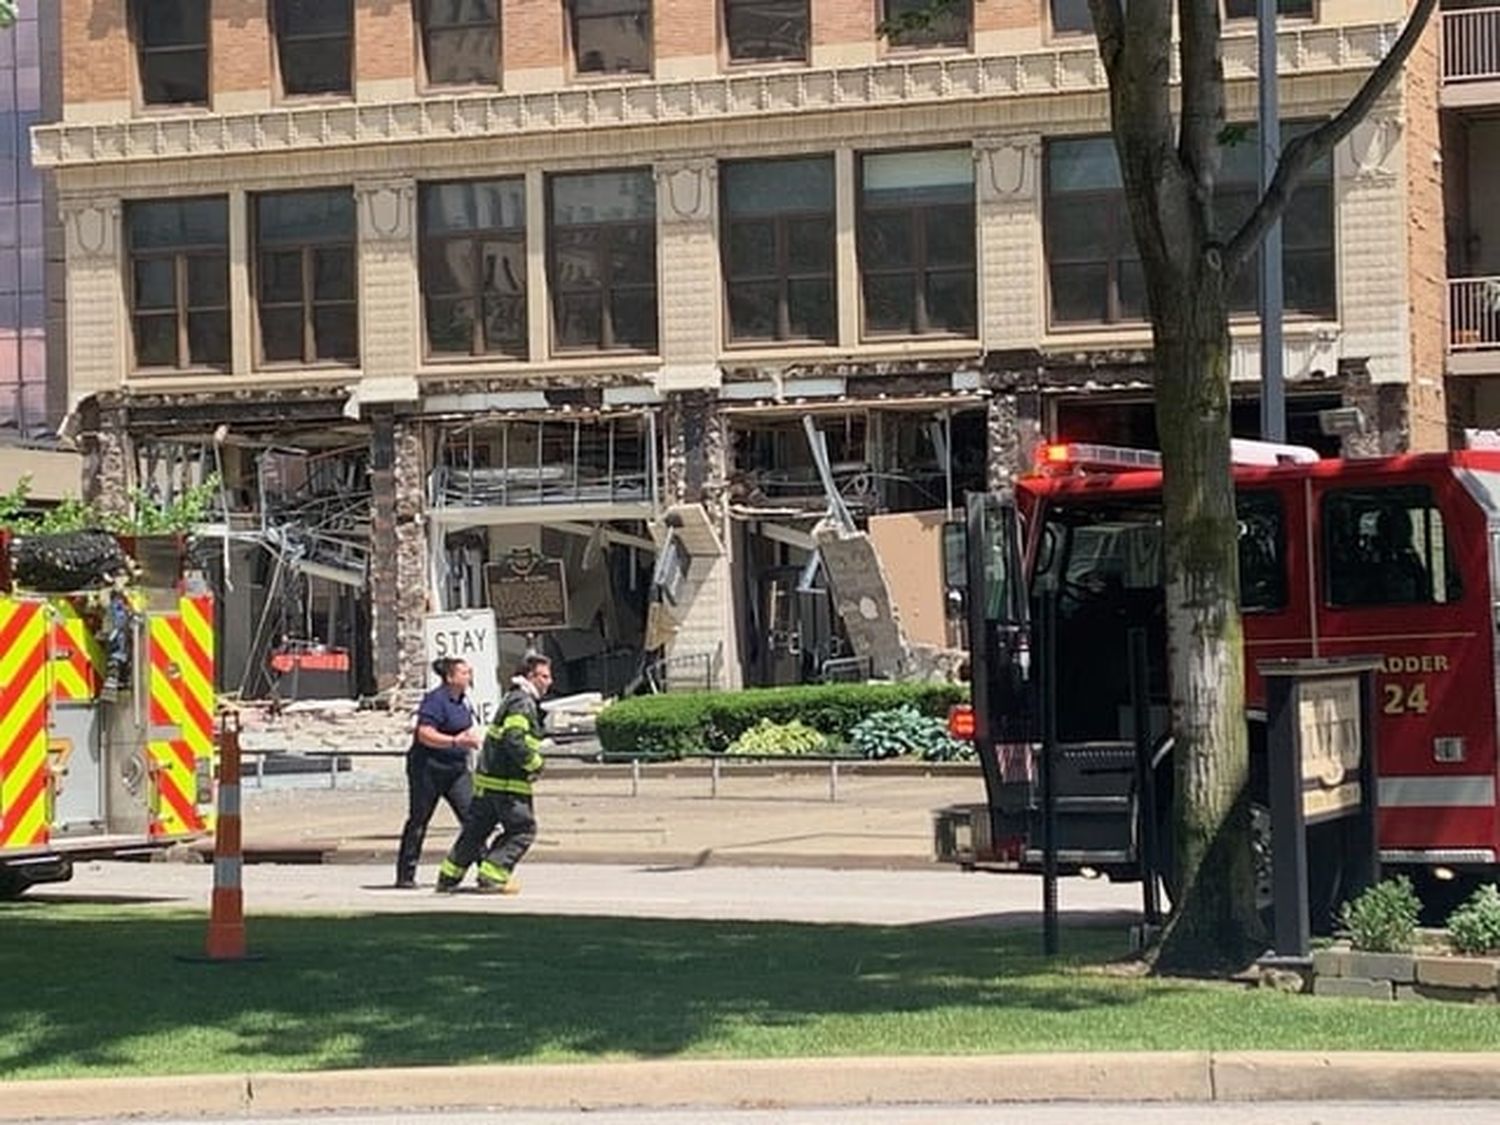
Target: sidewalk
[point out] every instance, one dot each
(780, 1083)
(763, 815)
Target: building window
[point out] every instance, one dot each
(474, 267)
(1262, 551)
(314, 46)
(926, 23)
(1095, 273)
(305, 277)
(779, 250)
(1246, 9)
(766, 30)
(171, 46)
(179, 282)
(461, 41)
(1072, 15)
(611, 36)
(602, 260)
(1387, 546)
(916, 243)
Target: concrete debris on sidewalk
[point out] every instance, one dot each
(324, 725)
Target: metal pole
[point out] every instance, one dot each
(1048, 777)
(635, 777)
(333, 771)
(714, 785)
(1268, 135)
(1140, 696)
(833, 780)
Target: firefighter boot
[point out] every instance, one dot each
(450, 875)
(495, 880)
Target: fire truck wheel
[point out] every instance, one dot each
(12, 884)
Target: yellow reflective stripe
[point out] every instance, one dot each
(533, 763)
(489, 872)
(483, 783)
(513, 722)
(450, 870)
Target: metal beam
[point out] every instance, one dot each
(457, 516)
(583, 531)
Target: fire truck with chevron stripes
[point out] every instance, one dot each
(1393, 557)
(107, 702)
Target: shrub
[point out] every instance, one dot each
(905, 730)
(766, 737)
(1384, 918)
(680, 723)
(1475, 926)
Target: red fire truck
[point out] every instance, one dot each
(1395, 557)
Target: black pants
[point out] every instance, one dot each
(497, 858)
(428, 778)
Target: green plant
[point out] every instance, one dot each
(769, 738)
(147, 516)
(1384, 918)
(679, 723)
(902, 730)
(1475, 926)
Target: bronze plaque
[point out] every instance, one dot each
(528, 593)
(1329, 715)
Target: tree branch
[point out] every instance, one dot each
(1109, 29)
(1202, 100)
(1304, 151)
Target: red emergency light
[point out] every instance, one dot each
(961, 724)
(1083, 457)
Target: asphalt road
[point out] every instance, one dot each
(1273, 1113)
(708, 893)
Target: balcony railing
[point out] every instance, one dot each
(1473, 314)
(1471, 44)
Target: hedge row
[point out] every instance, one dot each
(679, 723)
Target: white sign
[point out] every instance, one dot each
(468, 634)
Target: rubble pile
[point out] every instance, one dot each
(324, 726)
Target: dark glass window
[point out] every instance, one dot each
(927, 23)
(474, 267)
(1262, 544)
(305, 277)
(461, 41)
(778, 249)
(171, 46)
(315, 46)
(1093, 268)
(1072, 15)
(916, 243)
(179, 282)
(766, 30)
(611, 36)
(1246, 9)
(1387, 546)
(602, 260)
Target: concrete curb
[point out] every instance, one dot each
(780, 1083)
(332, 852)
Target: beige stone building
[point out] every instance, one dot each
(444, 289)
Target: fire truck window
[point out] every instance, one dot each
(1262, 541)
(1387, 546)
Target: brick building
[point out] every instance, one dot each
(635, 285)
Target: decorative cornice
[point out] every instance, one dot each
(1072, 69)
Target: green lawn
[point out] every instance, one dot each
(93, 990)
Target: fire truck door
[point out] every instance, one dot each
(78, 776)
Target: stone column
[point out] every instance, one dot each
(108, 455)
(409, 475)
(1007, 178)
(389, 319)
(385, 579)
(688, 272)
(96, 332)
(697, 450)
(1015, 429)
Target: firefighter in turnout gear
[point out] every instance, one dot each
(508, 764)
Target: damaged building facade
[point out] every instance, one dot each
(689, 321)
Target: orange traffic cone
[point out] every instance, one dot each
(226, 922)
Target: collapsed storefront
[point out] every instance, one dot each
(805, 479)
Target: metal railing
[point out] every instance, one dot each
(1471, 44)
(1473, 314)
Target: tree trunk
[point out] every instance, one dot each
(1214, 926)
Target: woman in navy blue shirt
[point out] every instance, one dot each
(437, 765)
